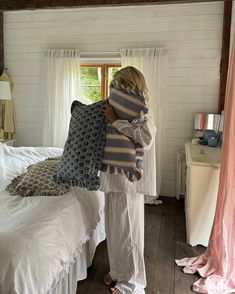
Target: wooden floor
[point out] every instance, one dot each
(165, 238)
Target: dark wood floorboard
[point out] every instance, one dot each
(182, 282)
(164, 274)
(165, 241)
(152, 235)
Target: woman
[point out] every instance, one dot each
(124, 200)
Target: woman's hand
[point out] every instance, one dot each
(109, 113)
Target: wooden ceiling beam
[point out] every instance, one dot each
(43, 4)
(224, 62)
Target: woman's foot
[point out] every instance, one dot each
(108, 281)
(115, 291)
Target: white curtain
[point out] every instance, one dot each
(63, 78)
(152, 62)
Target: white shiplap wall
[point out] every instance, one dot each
(191, 32)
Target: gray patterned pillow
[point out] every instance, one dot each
(38, 180)
(83, 151)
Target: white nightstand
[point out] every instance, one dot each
(203, 169)
(9, 142)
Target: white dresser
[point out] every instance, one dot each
(203, 167)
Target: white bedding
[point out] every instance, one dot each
(40, 237)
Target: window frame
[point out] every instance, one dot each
(104, 75)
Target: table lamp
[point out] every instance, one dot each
(5, 94)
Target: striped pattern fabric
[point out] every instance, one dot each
(121, 154)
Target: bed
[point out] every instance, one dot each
(46, 243)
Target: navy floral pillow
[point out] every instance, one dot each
(38, 181)
(83, 151)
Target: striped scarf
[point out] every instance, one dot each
(121, 154)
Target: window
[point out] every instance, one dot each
(95, 80)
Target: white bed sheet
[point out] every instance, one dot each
(78, 270)
(42, 238)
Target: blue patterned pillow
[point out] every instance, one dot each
(83, 151)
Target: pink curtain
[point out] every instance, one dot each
(217, 265)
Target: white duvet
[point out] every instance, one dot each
(40, 236)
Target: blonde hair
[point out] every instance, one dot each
(131, 77)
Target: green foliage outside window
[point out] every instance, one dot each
(91, 83)
(111, 72)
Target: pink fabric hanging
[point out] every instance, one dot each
(217, 265)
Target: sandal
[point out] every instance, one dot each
(108, 281)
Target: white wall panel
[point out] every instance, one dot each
(191, 32)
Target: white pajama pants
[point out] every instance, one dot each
(124, 221)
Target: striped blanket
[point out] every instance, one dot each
(121, 154)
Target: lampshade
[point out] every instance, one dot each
(5, 90)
